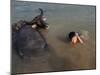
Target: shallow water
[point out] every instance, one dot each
(62, 19)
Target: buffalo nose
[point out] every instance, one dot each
(47, 27)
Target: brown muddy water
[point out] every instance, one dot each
(62, 19)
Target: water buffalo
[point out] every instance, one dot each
(38, 22)
(27, 40)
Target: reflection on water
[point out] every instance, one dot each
(62, 19)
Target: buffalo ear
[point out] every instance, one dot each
(34, 26)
